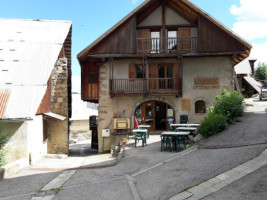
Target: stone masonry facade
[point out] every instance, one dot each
(58, 130)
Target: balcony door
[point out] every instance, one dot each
(165, 74)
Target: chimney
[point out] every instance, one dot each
(251, 62)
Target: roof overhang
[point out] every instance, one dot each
(83, 54)
(54, 116)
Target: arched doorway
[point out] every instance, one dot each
(157, 114)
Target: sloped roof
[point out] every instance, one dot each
(189, 4)
(243, 67)
(28, 52)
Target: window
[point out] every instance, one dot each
(165, 74)
(140, 71)
(155, 41)
(200, 106)
(92, 78)
(172, 40)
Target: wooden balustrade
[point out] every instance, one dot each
(167, 45)
(149, 86)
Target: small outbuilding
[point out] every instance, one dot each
(35, 88)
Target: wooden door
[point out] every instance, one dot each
(184, 35)
(90, 81)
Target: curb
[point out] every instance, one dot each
(13, 167)
(220, 181)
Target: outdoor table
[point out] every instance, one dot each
(146, 127)
(175, 126)
(176, 137)
(140, 134)
(192, 130)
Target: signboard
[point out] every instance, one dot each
(206, 83)
(186, 105)
(198, 87)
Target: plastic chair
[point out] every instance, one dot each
(183, 119)
(166, 140)
(140, 136)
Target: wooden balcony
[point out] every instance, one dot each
(167, 45)
(150, 86)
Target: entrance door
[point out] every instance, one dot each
(145, 114)
(160, 117)
(156, 114)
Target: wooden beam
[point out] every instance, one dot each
(163, 24)
(145, 12)
(181, 12)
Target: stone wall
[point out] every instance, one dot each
(58, 130)
(207, 67)
(80, 131)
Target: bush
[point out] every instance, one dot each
(229, 105)
(3, 149)
(212, 124)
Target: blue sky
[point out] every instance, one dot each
(92, 18)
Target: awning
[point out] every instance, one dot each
(54, 116)
(255, 84)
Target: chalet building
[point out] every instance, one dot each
(35, 89)
(165, 59)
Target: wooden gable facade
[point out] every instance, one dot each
(158, 29)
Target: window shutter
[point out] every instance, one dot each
(131, 71)
(144, 44)
(176, 75)
(184, 35)
(153, 73)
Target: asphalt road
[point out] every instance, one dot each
(253, 186)
(147, 173)
(157, 178)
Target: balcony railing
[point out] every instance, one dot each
(167, 45)
(150, 86)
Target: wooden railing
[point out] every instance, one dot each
(150, 86)
(167, 45)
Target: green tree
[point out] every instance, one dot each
(261, 72)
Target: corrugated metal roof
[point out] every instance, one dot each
(28, 52)
(255, 84)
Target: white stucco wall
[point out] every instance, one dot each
(25, 139)
(37, 148)
(171, 18)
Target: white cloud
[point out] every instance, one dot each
(259, 52)
(134, 1)
(251, 19)
(76, 84)
(251, 24)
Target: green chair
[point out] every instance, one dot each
(166, 140)
(178, 140)
(183, 119)
(140, 136)
(147, 130)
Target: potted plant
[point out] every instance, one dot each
(200, 107)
